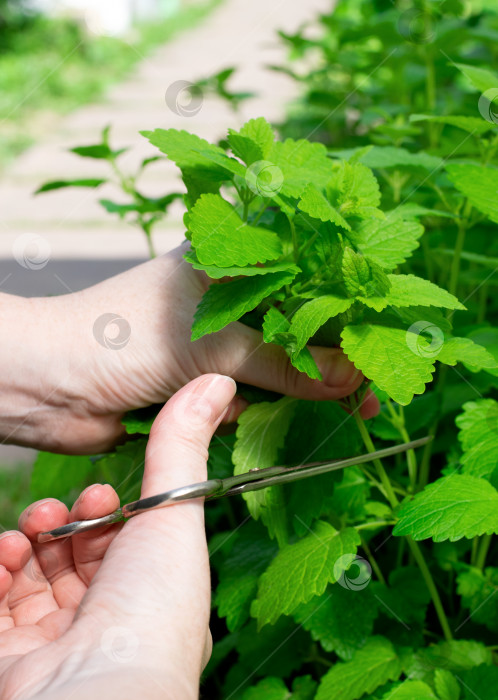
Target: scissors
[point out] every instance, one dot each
(253, 480)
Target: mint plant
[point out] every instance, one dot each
(372, 228)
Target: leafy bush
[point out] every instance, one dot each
(386, 248)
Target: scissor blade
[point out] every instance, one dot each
(262, 478)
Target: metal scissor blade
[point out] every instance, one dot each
(253, 480)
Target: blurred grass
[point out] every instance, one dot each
(55, 65)
(14, 494)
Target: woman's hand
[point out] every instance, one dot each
(122, 611)
(78, 362)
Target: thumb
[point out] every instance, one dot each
(154, 580)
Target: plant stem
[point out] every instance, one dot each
(482, 552)
(150, 244)
(381, 472)
(415, 549)
(294, 239)
(373, 562)
(455, 264)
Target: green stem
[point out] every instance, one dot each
(245, 213)
(373, 562)
(455, 263)
(484, 544)
(483, 302)
(150, 244)
(415, 549)
(294, 239)
(260, 213)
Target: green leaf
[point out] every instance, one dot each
(259, 131)
(408, 290)
(481, 78)
(313, 314)
(480, 682)
(240, 572)
(268, 689)
(473, 125)
(140, 420)
(300, 162)
(60, 476)
(478, 589)
(355, 271)
(59, 184)
(446, 685)
(228, 301)
(314, 203)
(260, 434)
(388, 356)
(457, 655)
(479, 437)
(409, 690)
(369, 668)
(302, 570)
(389, 242)
(276, 329)
(221, 238)
(392, 157)
(406, 597)
(244, 148)
(99, 151)
(356, 191)
(216, 272)
(341, 619)
(465, 350)
(479, 184)
(453, 507)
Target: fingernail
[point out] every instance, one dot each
(219, 390)
(11, 533)
(85, 492)
(338, 370)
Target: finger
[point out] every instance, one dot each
(244, 356)
(30, 597)
(236, 406)
(370, 406)
(55, 558)
(89, 548)
(6, 621)
(155, 577)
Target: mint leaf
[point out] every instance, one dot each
(409, 290)
(216, 272)
(387, 243)
(479, 184)
(356, 191)
(388, 356)
(453, 507)
(479, 437)
(480, 682)
(302, 570)
(314, 203)
(408, 690)
(244, 148)
(313, 314)
(457, 655)
(228, 301)
(221, 238)
(300, 162)
(268, 689)
(446, 685)
(259, 131)
(369, 668)
(341, 619)
(277, 329)
(60, 184)
(481, 78)
(260, 435)
(392, 157)
(478, 589)
(240, 573)
(465, 350)
(472, 125)
(405, 598)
